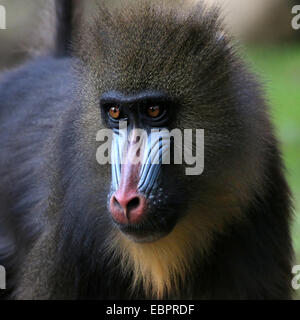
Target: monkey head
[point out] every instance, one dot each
(164, 73)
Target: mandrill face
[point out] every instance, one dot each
(178, 134)
(145, 200)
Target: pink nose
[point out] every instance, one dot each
(127, 208)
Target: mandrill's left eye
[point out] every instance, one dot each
(154, 111)
(114, 112)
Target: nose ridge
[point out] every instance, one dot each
(127, 207)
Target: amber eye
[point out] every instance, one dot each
(114, 112)
(153, 111)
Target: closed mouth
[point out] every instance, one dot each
(139, 233)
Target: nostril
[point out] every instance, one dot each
(116, 203)
(133, 204)
(127, 209)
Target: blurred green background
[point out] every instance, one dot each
(271, 46)
(279, 68)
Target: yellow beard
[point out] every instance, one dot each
(162, 266)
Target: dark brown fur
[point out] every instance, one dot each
(233, 238)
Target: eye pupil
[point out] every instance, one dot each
(114, 112)
(153, 111)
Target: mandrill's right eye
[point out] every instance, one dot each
(114, 112)
(154, 111)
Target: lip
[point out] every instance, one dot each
(140, 235)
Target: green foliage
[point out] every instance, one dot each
(279, 68)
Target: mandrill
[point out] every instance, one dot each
(72, 227)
